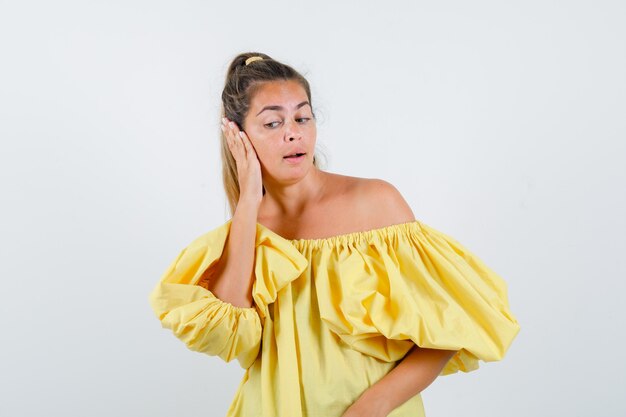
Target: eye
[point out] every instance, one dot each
(270, 125)
(305, 119)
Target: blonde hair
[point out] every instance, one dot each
(242, 81)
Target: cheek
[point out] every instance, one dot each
(261, 148)
(311, 133)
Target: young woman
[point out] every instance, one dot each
(324, 287)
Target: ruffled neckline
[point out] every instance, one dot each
(350, 238)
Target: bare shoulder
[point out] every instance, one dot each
(382, 202)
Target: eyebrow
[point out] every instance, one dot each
(275, 107)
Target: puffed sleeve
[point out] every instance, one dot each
(414, 285)
(204, 322)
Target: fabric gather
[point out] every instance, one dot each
(325, 308)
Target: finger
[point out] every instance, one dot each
(240, 150)
(234, 139)
(226, 134)
(228, 131)
(237, 138)
(230, 142)
(247, 143)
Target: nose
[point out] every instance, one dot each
(292, 131)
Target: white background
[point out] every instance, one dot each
(503, 124)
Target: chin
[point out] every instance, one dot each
(291, 173)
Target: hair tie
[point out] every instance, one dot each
(252, 59)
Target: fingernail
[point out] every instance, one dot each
(231, 124)
(241, 133)
(223, 120)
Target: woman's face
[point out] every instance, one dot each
(280, 123)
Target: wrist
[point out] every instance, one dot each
(249, 201)
(376, 401)
(247, 208)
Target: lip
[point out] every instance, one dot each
(295, 151)
(295, 160)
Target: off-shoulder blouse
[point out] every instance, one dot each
(332, 316)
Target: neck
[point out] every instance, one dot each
(289, 200)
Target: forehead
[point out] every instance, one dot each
(283, 92)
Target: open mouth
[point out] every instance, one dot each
(294, 155)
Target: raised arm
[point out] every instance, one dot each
(233, 278)
(205, 296)
(231, 281)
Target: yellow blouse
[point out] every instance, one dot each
(332, 316)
